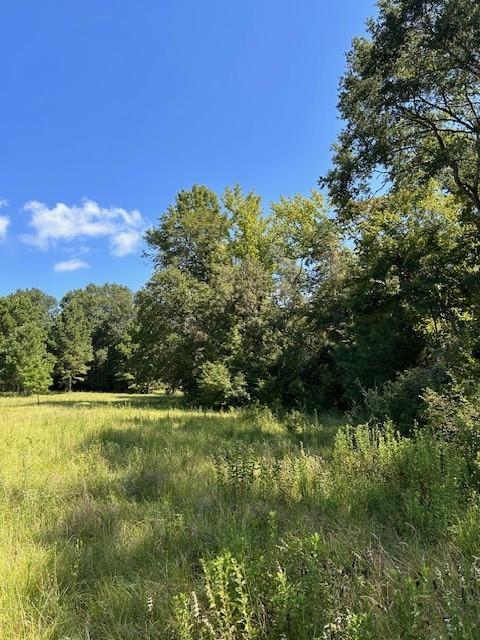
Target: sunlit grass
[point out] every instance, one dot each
(111, 503)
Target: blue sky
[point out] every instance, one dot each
(109, 107)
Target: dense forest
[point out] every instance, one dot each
(367, 300)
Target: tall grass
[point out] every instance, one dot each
(129, 517)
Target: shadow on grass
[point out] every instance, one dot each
(119, 400)
(186, 441)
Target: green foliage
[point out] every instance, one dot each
(73, 344)
(25, 319)
(287, 594)
(228, 610)
(221, 332)
(276, 309)
(416, 483)
(218, 388)
(401, 400)
(454, 416)
(407, 297)
(26, 364)
(250, 229)
(109, 312)
(288, 316)
(169, 334)
(408, 304)
(191, 235)
(410, 101)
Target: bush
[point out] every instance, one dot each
(260, 416)
(455, 418)
(400, 400)
(217, 387)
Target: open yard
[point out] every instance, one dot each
(125, 517)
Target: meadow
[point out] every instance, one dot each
(128, 517)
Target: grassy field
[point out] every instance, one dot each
(125, 517)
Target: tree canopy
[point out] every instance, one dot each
(410, 99)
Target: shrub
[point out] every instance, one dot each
(261, 417)
(455, 418)
(217, 387)
(400, 400)
(296, 422)
(300, 423)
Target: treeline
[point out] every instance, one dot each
(274, 306)
(366, 306)
(78, 342)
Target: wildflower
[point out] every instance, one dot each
(149, 604)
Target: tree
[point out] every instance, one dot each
(306, 242)
(109, 312)
(250, 228)
(25, 320)
(310, 264)
(27, 367)
(217, 388)
(233, 327)
(408, 298)
(73, 344)
(410, 98)
(170, 330)
(192, 234)
(44, 306)
(26, 305)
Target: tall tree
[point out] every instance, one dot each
(170, 331)
(411, 101)
(309, 259)
(27, 366)
(109, 311)
(25, 320)
(409, 295)
(192, 234)
(73, 344)
(227, 331)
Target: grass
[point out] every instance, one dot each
(129, 517)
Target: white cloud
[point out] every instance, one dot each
(4, 222)
(70, 265)
(87, 220)
(125, 242)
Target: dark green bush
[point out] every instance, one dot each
(400, 400)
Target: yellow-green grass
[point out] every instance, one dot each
(107, 500)
(110, 503)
